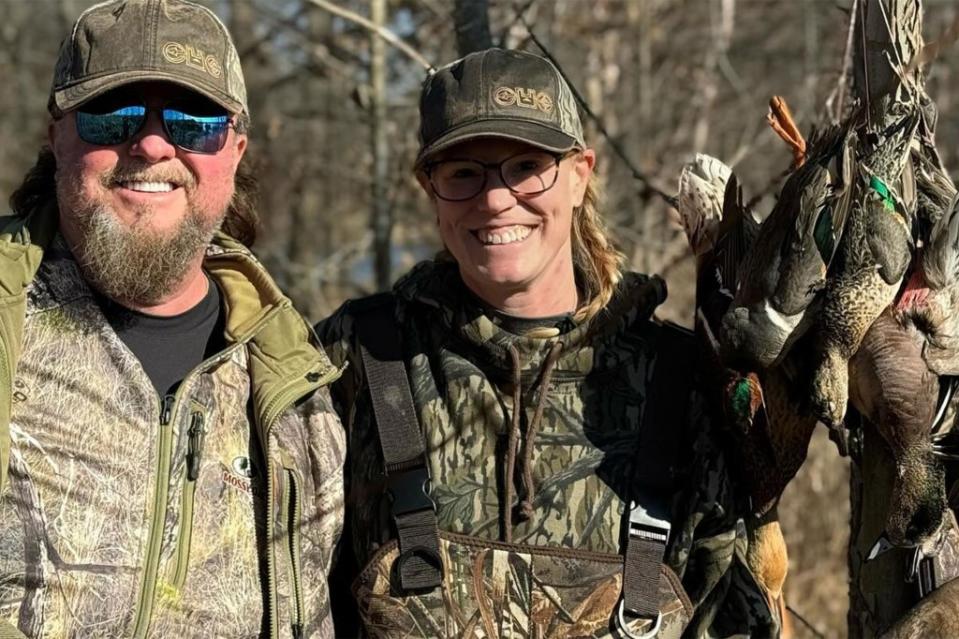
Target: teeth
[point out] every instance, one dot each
(505, 235)
(149, 187)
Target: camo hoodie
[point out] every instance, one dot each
(209, 513)
(573, 469)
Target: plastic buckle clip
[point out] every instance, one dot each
(409, 490)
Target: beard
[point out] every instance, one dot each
(135, 265)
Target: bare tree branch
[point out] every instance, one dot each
(382, 32)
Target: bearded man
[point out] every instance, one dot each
(170, 464)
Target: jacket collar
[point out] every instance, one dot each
(592, 344)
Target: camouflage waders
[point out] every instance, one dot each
(534, 449)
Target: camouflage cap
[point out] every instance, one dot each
(498, 93)
(122, 41)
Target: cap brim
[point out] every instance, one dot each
(70, 97)
(532, 133)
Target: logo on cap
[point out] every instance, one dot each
(523, 97)
(194, 58)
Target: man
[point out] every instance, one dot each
(528, 457)
(171, 466)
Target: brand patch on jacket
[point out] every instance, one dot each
(523, 97)
(177, 53)
(240, 475)
(243, 467)
(240, 483)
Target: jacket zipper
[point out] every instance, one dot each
(148, 588)
(194, 454)
(144, 609)
(291, 491)
(281, 401)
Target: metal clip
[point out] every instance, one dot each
(624, 628)
(649, 523)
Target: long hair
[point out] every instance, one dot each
(39, 188)
(598, 264)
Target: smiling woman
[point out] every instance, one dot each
(551, 467)
(506, 215)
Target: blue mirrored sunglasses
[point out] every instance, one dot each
(194, 133)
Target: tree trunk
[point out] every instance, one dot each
(471, 19)
(878, 592)
(382, 215)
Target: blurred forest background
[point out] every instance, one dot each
(667, 78)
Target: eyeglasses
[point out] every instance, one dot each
(528, 173)
(194, 126)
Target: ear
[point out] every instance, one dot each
(583, 164)
(424, 181)
(241, 141)
(53, 134)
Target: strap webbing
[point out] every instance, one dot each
(407, 475)
(659, 437)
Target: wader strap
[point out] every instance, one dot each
(661, 433)
(419, 566)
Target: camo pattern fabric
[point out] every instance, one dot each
(461, 365)
(508, 590)
(88, 480)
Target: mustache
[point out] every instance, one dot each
(176, 175)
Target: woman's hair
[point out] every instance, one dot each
(39, 188)
(598, 264)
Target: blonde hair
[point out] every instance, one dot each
(598, 264)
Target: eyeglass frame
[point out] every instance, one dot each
(488, 166)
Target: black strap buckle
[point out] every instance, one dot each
(409, 490)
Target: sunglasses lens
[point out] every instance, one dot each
(197, 133)
(114, 127)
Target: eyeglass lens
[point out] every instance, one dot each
(204, 133)
(525, 174)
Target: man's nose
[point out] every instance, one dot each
(152, 143)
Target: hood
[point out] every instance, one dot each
(436, 289)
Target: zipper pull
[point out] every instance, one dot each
(194, 447)
(297, 631)
(166, 409)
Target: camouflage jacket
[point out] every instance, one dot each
(461, 371)
(209, 513)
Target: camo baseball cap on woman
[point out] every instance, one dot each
(498, 93)
(122, 41)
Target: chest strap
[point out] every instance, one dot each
(419, 566)
(660, 435)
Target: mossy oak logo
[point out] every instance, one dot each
(240, 475)
(523, 97)
(194, 58)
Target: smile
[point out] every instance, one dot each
(149, 187)
(503, 235)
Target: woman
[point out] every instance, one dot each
(509, 390)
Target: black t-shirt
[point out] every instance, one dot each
(525, 325)
(170, 347)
